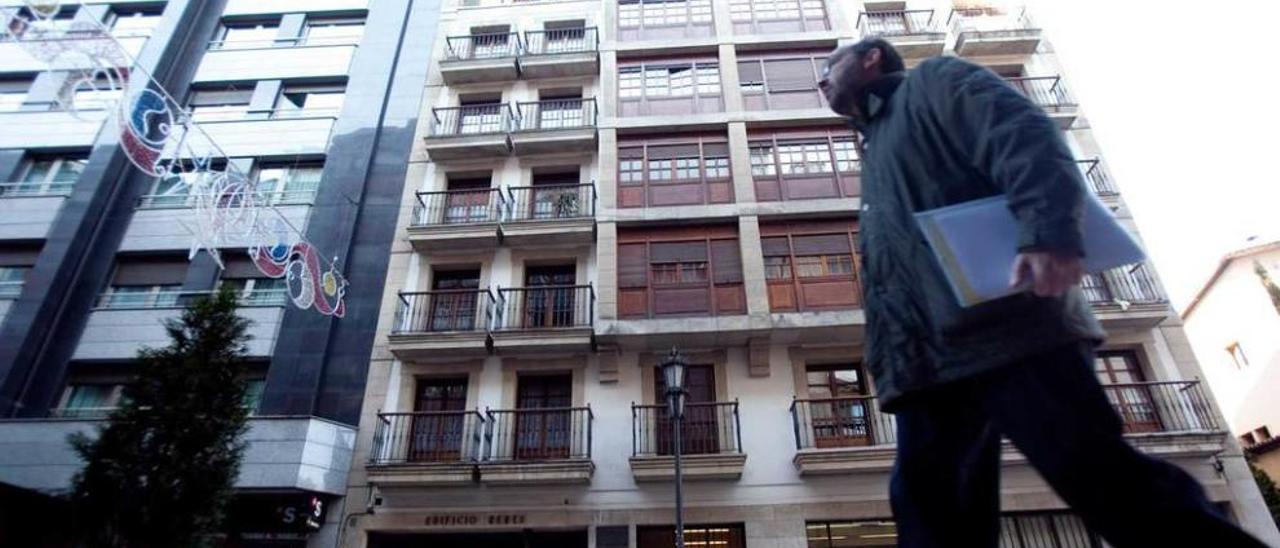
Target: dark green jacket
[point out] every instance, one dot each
(944, 133)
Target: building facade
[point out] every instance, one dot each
(594, 183)
(1232, 322)
(317, 102)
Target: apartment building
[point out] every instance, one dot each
(594, 183)
(316, 101)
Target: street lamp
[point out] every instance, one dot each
(673, 367)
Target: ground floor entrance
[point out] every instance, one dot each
(521, 539)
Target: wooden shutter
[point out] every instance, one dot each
(671, 252)
(151, 272)
(790, 75)
(241, 268)
(774, 247)
(668, 152)
(726, 261)
(749, 72)
(633, 265)
(825, 244)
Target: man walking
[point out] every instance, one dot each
(958, 378)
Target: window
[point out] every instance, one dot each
(686, 271)
(1124, 384)
(1262, 433)
(804, 165)
(134, 24)
(810, 265)
(255, 291)
(669, 87)
(1237, 355)
(658, 19)
(289, 184)
(230, 102)
(12, 94)
(246, 36)
(772, 83)
(253, 393)
(173, 190)
(47, 175)
(11, 280)
(1248, 440)
(769, 16)
(670, 172)
(150, 282)
(88, 399)
(297, 101)
(485, 43)
(1017, 530)
(324, 32)
(710, 536)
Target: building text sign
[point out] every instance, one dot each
(474, 520)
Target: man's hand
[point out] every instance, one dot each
(1046, 274)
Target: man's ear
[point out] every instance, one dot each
(871, 59)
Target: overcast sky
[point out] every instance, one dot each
(1184, 100)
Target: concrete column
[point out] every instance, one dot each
(744, 186)
(607, 270)
(729, 78)
(753, 265)
(291, 28)
(10, 165)
(607, 101)
(490, 382)
(607, 176)
(43, 92)
(263, 101)
(721, 13)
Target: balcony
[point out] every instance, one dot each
(50, 128)
(711, 442)
(27, 210)
(282, 453)
(300, 133)
(1097, 177)
(558, 53)
(431, 448)
(851, 435)
(1126, 297)
(247, 61)
(1050, 94)
(915, 33)
(981, 31)
(456, 220)
(120, 326)
(470, 132)
(555, 125)
(544, 319)
(538, 446)
(444, 324)
(489, 57)
(550, 215)
(842, 435)
(159, 221)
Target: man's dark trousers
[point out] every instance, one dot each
(945, 485)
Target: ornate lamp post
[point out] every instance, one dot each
(672, 370)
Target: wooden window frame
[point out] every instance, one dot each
(791, 277)
(764, 88)
(696, 19)
(699, 90)
(709, 185)
(708, 236)
(767, 168)
(749, 17)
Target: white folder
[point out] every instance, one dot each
(976, 243)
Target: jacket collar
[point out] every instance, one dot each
(874, 98)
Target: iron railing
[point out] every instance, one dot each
(444, 310)
(987, 21)
(546, 307)
(11, 289)
(897, 23)
(708, 428)
(854, 421)
(427, 437)
(113, 300)
(467, 120)
(491, 45)
(455, 207)
(1095, 174)
(553, 114)
(1169, 406)
(274, 197)
(538, 434)
(554, 41)
(32, 189)
(1133, 284)
(539, 202)
(1044, 91)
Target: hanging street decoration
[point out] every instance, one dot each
(159, 138)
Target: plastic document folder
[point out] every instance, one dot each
(976, 243)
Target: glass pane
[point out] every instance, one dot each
(249, 37)
(253, 394)
(129, 296)
(270, 179)
(213, 113)
(321, 34)
(90, 396)
(135, 24)
(38, 171)
(69, 170)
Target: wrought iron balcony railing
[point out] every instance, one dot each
(1096, 175)
(547, 307)
(708, 428)
(457, 207)
(841, 422)
(555, 41)
(444, 310)
(493, 45)
(467, 120)
(427, 437)
(985, 20)
(546, 202)
(538, 434)
(553, 114)
(1045, 91)
(1125, 285)
(897, 23)
(1170, 406)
